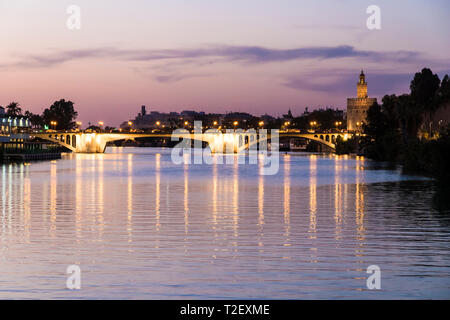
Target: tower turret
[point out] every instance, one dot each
(361, 87)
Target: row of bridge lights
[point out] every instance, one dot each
(186, 123)
(215, 123)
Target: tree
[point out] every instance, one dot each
(346, 146)
(382, 139)
(63, 113)
(94, 128)
(424, 87)
(14, 109)
(35, 119)
(443, 94)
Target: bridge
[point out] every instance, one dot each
(235, 142)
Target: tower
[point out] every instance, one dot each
(361, 87)
(357, 107)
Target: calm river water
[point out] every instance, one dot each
(140, 226)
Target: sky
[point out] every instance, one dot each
(256, 56)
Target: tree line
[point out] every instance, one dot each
(60, 115)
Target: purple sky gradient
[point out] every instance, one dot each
(256, 56)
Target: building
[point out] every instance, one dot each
(433, 123)
(357, 107)
(14, 124)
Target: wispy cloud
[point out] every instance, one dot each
(173, 77)
(241, 54)
(338, 81)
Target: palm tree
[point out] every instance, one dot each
(14, 109)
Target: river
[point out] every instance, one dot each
(141, 227)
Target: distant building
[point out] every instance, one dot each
(152, 120)
(288, 116)
(357, 107)
(160, 120)
(2, 111)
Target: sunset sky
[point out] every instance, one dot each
(256, 56)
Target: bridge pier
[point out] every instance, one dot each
(91, 143)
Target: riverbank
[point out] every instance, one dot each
(23, 157)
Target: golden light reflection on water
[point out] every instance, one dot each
(312, 196)
(27, 204)
(186, 200)
(78, 198)
(359, 208)
(130, 198)
(287, 200)
(10, 193)
(53, 198)
(338, 197)
(261, 210)
(158, 191)
(235, 201)
(214, 199)
(313, 207)
(3, 199)
(100, 195)
(261, 201)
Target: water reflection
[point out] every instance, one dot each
(359, 207)
(287, 200)
(313, 208)
(158, 191)
(216, 227)
(312, 196)
(186, 199)
(78, 198)
(26, 203)
(53, 199)
(100, 192)
(338, 197)
(261, 222)
(235, 201)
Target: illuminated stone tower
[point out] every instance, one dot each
(357, 107)
(361, 87)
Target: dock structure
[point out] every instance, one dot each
(23, 150)
(24, 157)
